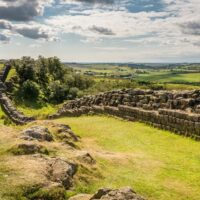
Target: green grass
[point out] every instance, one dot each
(167, 76)
(106, 69)
(157, 164)
(181, 87)
(1, 66)
(40, 112)
(11, 74)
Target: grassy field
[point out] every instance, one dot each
(37, 111)
(166, 76)
(105, 70)
(1, 66)
(157, 164)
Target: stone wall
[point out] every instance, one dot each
(8, 108)
(13, 114)
(175, 111)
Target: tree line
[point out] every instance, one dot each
(46, 79)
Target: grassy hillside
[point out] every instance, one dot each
(158, 164)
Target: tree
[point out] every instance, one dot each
(25, 69)
(30, 90)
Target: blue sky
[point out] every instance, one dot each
(101, 30)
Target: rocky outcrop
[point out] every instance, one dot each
(61, 171)
(109, 194)
(45, 166)
(64, 133)
(85, 157)
(39, 133)
(175, 111)
(28, 148)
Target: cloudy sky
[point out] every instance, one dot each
(101, 30)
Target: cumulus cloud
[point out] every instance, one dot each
(191, 28)
(91, 1)
(109, 24)
(22, 10)
(5, 24)
(111, 48)
(32, 31)
(161, 27)
(4, 38)
(101, 30)
(175, 27)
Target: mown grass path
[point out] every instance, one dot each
(157, 164)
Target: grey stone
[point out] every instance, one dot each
(28, 148)
(61, 171)
(39, 133)
(117, 194)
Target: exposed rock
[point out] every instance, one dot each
(198, 109)
(61, 171)
(85, 157)
(39, 133)
(81, 197)
(100, 193)
(118, 194)
(109, 194)
(52, 191)
(28, 148)
(64, 132)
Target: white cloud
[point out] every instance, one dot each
(22, 10)
(111, 48)
(121, 23)
(30, 30)
(174, 32)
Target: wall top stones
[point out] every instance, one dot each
(178, 112)
(185, 101)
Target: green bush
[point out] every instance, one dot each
(57, 92)
(30, 90)
(73, 92)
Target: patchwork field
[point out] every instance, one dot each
(174, 77)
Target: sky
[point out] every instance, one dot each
(101, 30)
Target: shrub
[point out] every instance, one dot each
(57, 92)
(30, 90)
(73, 92)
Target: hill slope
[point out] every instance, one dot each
(156, 163)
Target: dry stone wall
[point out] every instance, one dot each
(175, 111)
(6, 104)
